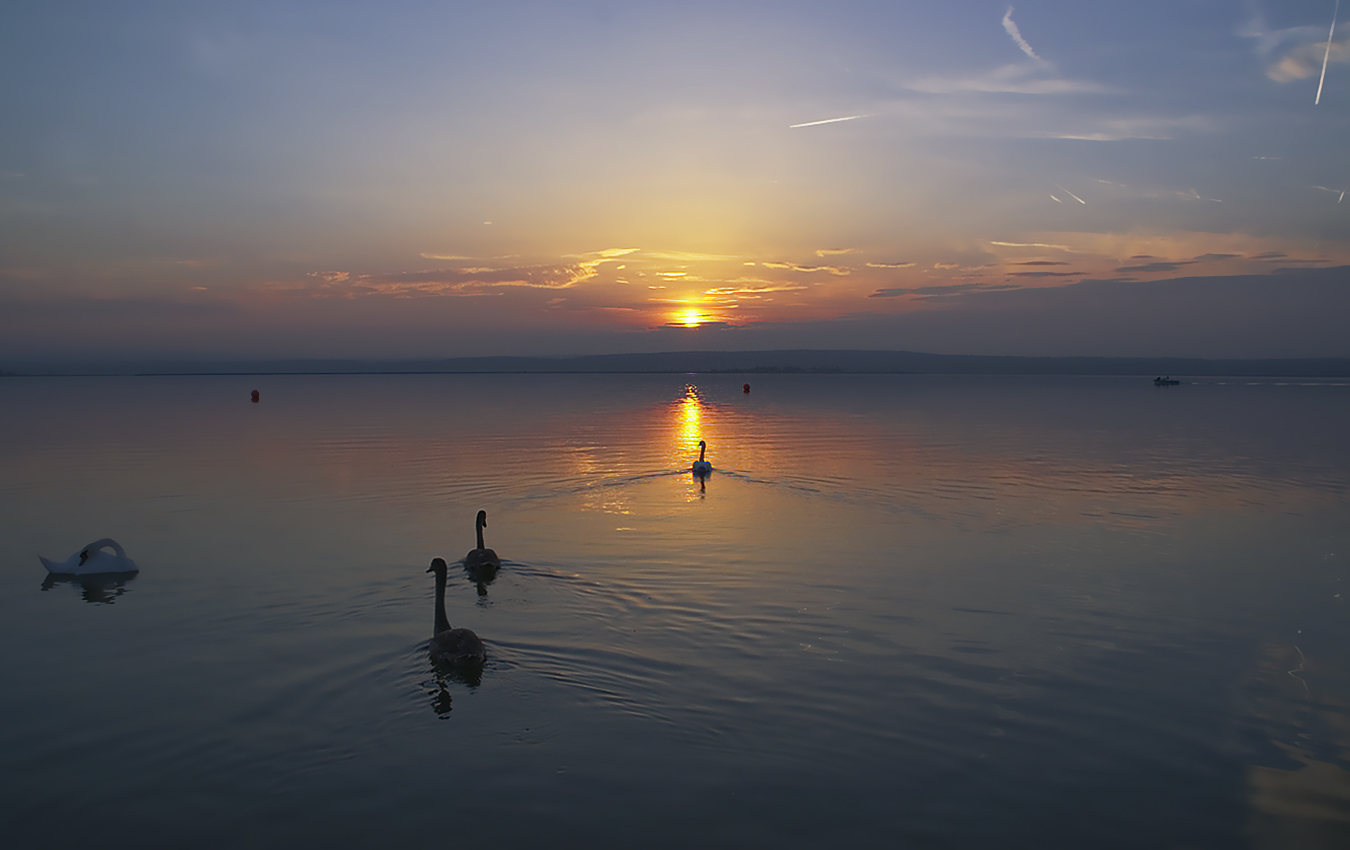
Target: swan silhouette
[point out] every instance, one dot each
(458, 647)
(701, 466)
(482, 563)
(92, 559)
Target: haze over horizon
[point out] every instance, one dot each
(352, 180)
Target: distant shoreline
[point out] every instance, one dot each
(803, 361)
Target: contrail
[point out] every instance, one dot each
(1056, 200)
(1011, 26)
(1070, 194)
(827, 121)
(1327, 55)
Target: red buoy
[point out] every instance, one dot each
(747, 388)
(255, 396)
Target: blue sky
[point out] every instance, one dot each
(443, 179)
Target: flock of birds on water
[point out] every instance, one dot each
(451, 646)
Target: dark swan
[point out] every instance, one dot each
(460, 647)
(482, 562)
(701, 466)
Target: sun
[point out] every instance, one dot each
(691, 317)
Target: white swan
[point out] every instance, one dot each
(447, 645)
(701, 466)
(92, 559)
(482, 561)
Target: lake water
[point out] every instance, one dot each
(903, 611)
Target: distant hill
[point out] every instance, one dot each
(746, 362)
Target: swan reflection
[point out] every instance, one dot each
(437, 688)
(97, 589)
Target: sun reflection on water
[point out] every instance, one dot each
(690, 424)
(690, 419)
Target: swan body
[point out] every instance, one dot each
(459, 647)
(701, 466)
(92, 559)
(482, 561)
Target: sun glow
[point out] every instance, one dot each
(692, 317)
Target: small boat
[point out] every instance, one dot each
(1165, 382)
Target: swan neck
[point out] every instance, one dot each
(106, 542)
(479, 528)
(701, 450)
(442, 623)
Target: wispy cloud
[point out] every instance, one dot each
(1331, 35)
(1296, 53)
(438, 282)
(1034, 245)
(1150, 268)
(1017, 78)
(890, 265)
(947, 291)
(1011, 26)
(828, 121)
(835, 270)
(1070, 194)
(754, 288)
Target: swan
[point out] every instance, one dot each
(92, 559)
(701, 466)
(447, 645)
(482, 561)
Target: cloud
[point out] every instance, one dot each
(1121, 129)
(754, 288)
(689, 257)
(835, 270)
(1306, 60)
(1011, 27)
(607, 253)
(1041, 263)
(828, 121)
(1035, 245)
(1017, 78)
(890, 265)
(826, 252)
(1205, 258)
(438, 282)
(940, 291)
(1046, 274)
(1150, 268)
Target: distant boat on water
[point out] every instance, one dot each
(1165, 382)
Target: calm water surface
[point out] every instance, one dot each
(902, 612)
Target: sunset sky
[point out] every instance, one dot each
(422, 179)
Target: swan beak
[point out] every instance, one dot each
(84, 556)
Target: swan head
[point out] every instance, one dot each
(438, 566)
(702, 444)
(482, 519)
(84, 555)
